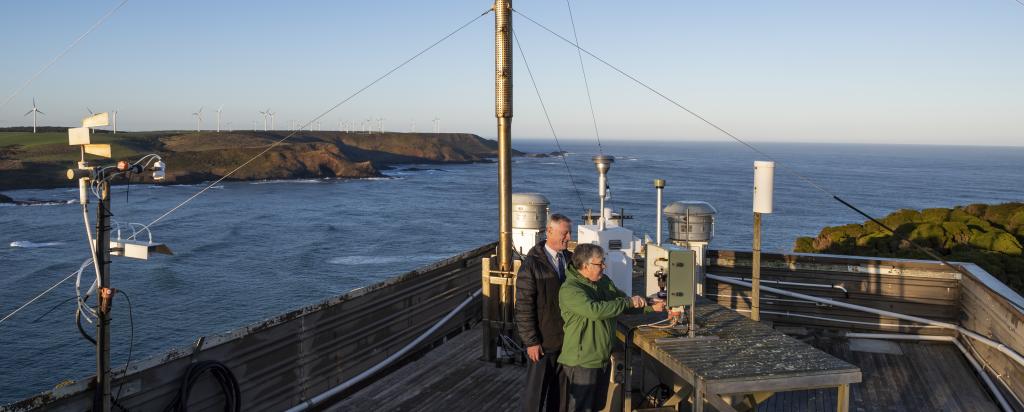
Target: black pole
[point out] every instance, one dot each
(101, 400)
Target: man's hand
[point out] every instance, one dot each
(639, 301)
(658, 305)
(534, 353)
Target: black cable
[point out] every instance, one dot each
(131, 345)
(78, 322)
(53, 308)
(561, 153)
(223, 376)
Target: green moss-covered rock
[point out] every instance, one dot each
(902, 217)
(804, 244)
(997, 242)
(988, 235)
(928, 234)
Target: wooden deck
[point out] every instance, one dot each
(450, 377)
(926, 376)
(918, 377)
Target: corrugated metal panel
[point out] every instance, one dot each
(297, 355)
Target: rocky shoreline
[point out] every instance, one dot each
(197, 157)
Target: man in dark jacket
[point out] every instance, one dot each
(538, 317)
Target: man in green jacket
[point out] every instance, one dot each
(590, 302)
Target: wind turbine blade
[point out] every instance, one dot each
(33, 102)
(220, 108)
(90, 110)
(29, 112)
(41, 112)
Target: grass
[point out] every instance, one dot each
(28, 139)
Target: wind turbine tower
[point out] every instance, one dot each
(199, 118)
(115, 121)
(35, 110)
(437, 125)
(271, 114)
(221, 108)
(380, 125)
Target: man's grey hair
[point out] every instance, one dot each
(584, 252)
(558, 218)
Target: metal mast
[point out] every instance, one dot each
(503, 111)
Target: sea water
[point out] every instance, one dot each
(246, 251)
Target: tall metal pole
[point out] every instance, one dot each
(755, 290)
(503, 111)
(101, 400)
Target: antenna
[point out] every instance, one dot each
(35, 110)
(199, 118)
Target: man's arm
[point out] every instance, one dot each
(526, 305)
(576, 301)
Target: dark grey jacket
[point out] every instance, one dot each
(538, 318)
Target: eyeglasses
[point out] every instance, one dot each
(601, 264)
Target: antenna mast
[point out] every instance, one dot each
(503, 111)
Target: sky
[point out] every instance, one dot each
(906, 72)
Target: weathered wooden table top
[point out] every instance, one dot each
(747, 356)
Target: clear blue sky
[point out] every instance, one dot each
(941, 72)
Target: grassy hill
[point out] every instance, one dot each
(988, 235)
(39, 160)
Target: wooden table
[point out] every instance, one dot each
(747, 357)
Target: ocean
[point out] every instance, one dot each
(246, 251)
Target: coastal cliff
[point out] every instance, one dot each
(39, 160)
(987, 235)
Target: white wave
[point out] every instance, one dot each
(33, 202)
(276, 181)
(31, 245)
(382, 260)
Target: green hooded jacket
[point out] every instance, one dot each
(589, 310)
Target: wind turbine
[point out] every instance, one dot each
(412, 127)
(380, 124)
(91, 130)
(218, 117)
(265, 114)
(115, 121)
(229, 127)
(437, 125)
(271, 114)
(318, 127)
(199, 117)
(33, 113)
